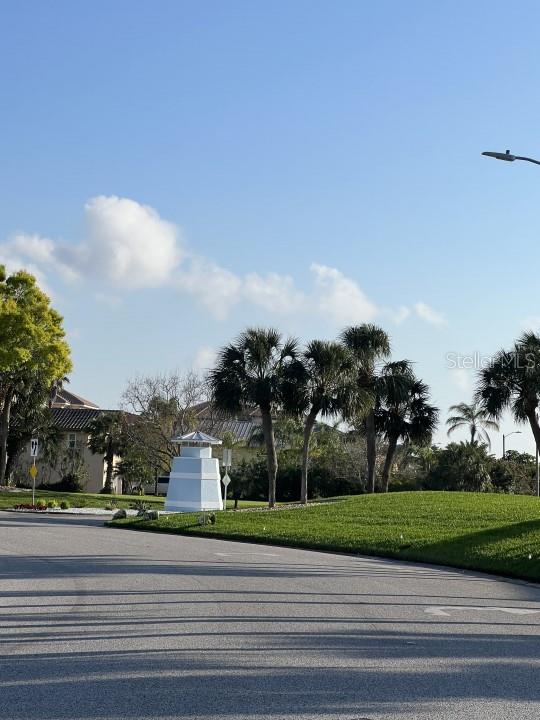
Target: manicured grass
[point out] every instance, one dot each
(9, 499)
(494, 533)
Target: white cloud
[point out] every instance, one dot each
(126, 243)
(13, 263)
(337, 297)
(401, 314)
(36, 254)
(462, 378)
(39, 248)
(216, 288)
(340, 298)
(273, 292)
(428, 314)
(129, 243)
(205, 358)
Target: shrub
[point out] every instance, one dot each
(522, 466)
(141, 506)
(461, 466)
(41, 505)
(249, 480)
(65, 505)
(72, 482)
(52, 504)
(502, 476)
(406, 481)
(20, 478)
(119, 514)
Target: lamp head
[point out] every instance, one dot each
(500, 156)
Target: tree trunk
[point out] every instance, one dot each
(370, 450)
(308, 429)
(109, 459)
(4, 430)
(473, 433)
(533, 421)
(388, 462)
(10, 465)
(271, 456)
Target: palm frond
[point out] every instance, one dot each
(456, 426)
(367, 342)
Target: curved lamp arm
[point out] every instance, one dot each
(520, 157)
(509, 157)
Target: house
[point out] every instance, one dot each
(215, 422)
(72, 416)
(245, 427)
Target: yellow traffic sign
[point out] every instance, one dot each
(33, 471)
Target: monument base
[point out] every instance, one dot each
(194, 482)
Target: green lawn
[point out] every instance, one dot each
(489, 532)
(9, 499)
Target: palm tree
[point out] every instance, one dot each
(321, 384)
(106, 436)
(28, 415)
(512, 381)
(249, 372)
(403, 411)
(475, 418)
(369, 344)
(426, 456)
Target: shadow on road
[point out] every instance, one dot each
(110, 635)
(159, 684)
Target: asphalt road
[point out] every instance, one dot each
(103, 623)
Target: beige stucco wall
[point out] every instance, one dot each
(94, 464)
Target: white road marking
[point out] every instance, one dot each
(242, 554)
(441, 610)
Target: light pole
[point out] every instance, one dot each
(509, 157)
(537, 475)
(514, 432)
(537, 466)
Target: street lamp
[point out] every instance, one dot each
(514, 432)
(537, 464)
(509, 157)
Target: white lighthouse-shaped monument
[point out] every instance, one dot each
(194, 482)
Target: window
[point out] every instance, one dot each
(72, 441)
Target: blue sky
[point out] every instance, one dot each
(174, 171)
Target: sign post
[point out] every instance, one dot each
(225, 480)
(226, 462)
(34, 449)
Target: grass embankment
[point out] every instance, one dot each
(492, 533)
